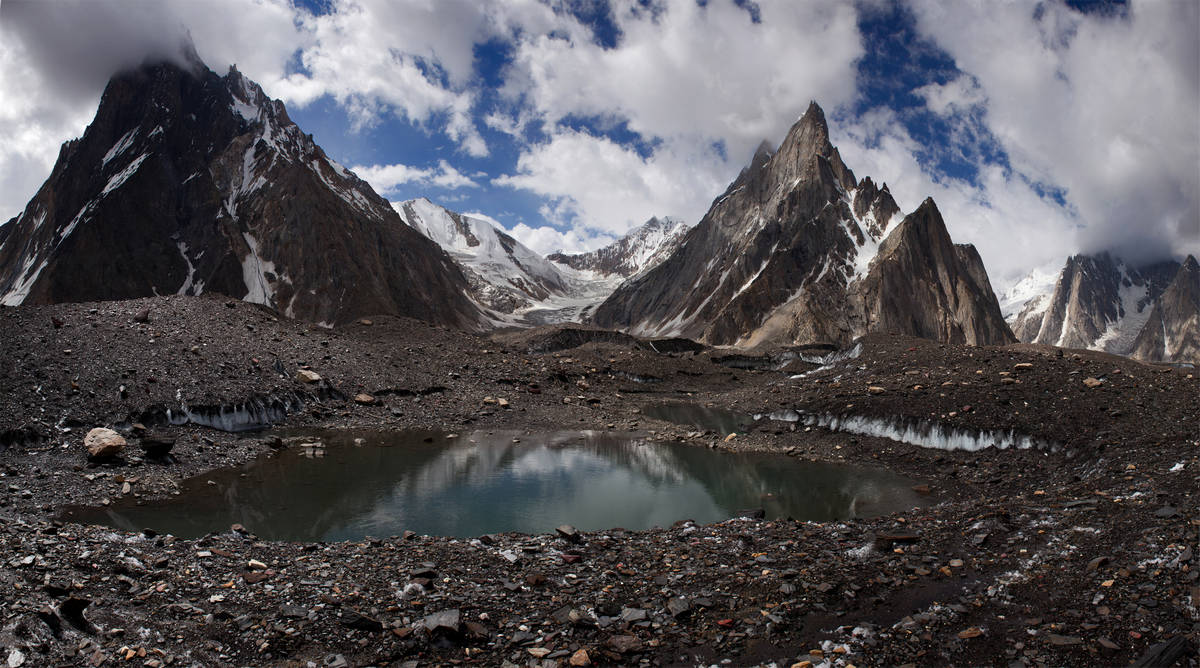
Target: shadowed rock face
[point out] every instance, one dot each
(188, 182)
(1172, 332)
(1102, 303)
(923, 284)
(798, 251)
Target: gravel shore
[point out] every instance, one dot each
(1077, 551)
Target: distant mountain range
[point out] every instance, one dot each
(523, 288)
(188, 182)
(641, 249)
(1149, 312)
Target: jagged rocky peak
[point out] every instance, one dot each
(792, 252)
(638, 250)
(876, 201)
(1172, 330)
(188, 182)
(1099, 302)
(807, 143)
(924, 284)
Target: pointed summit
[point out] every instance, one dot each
(807, 154)
(811, 132)
(796, 250)
(210, 178)
(190, 59)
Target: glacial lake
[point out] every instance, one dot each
(370, 483)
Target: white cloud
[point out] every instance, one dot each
(411, 58)
(376, 56)
(1102, 106)
(684, 79)
(598, 184)
(960, 94)
(386, 178)
(545, 239)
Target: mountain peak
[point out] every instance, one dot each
(191, 59)
(209, 176)
(814, 112)
(813, 130)
(1190, 264)
(640, 249)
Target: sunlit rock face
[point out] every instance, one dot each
(799, 251)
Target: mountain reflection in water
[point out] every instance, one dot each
(494, 482)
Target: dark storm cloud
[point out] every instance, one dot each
(77, 45)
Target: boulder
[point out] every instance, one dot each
(157, 447)
(102, 443)
(306, 376)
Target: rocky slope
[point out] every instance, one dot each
(1100, 302)
(799, 251)
(641, 249)
(187, 182)
(1172, 331)
(1022, 555)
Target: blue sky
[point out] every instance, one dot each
(1040, 128)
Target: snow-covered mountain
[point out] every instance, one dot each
(641, 249)
(1101, 302)
(504, 274)
(518, 286)
(187, 182)
(798, 251)
(1032, 291)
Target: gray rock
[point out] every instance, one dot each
(632, 615)
(569, 532)
(624, 644)
(354, 619)
(1166, 512)
(443, 622)
(679, 607)
(289, 610)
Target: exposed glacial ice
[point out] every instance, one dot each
(255, 413)
(923, 433)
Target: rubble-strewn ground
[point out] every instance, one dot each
(1080, 555)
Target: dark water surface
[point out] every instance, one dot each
(703, 418)
(368, 483)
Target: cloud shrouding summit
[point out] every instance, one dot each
(1076, 131)
(1095, 105)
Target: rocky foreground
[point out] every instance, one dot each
(1079, 551)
